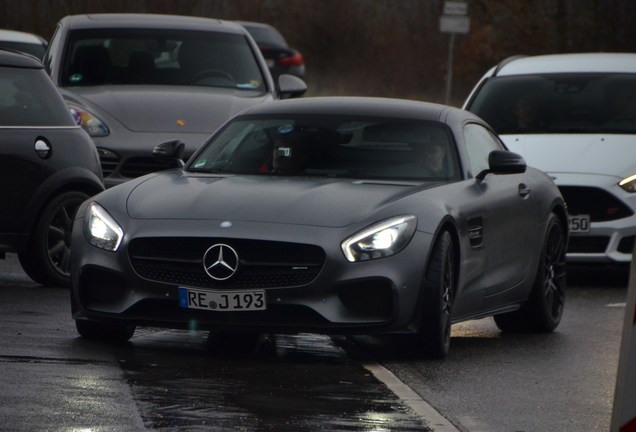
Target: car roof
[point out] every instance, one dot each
(256, 24)
(360, 106)
(19, 60)
(132, 20)
(564, 63)
(21, 37)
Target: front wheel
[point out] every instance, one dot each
(438, 296)
(104, 331)
(544, 308)
(47, 257)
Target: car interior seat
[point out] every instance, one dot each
(141, 68)
(95, 65)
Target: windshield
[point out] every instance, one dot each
(331, 147)
(156, 57)
(559, 103)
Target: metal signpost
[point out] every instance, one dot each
(453, 21)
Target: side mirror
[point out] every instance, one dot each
(170, 150)
(291, 86)
(503, 162)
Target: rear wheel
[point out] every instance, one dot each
(47, 257)
(439, 294)
(544, 308)
(104, 331)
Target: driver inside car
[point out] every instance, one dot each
(289, 154)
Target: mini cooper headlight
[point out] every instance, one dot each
(629, 183)
(100, 228)
(380, 240)
(89, 122)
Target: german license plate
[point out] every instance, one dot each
(579, 223)
(222, 301)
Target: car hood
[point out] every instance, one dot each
(602, 154)
(288, 200)
(166, 108)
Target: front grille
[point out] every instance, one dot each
(599, 204)
(109, 164)
(138, 166)
(262, 264)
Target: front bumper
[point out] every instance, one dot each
(612, 211)
(379, 296)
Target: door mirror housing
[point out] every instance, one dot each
(291, 86)
(503, 162)
(173, 149)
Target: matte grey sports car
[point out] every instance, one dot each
(329, 215)
(134, 80)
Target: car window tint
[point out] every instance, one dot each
(161, 57)
(364, 148)
(479, 143)
(28, 98)
(559, 103)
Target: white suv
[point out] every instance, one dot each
(574, 117)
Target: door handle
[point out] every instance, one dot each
(523, 190)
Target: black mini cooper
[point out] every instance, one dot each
(48, 167)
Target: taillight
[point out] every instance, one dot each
(295, 59)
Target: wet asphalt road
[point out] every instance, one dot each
(175, 380)
(179, 380)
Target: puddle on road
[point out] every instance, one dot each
(240, 382)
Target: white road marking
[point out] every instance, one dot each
(430, 415)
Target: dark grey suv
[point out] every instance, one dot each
(48, 167)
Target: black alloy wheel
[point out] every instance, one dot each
(554, 275)
(544, 309)
(47, 258)
(439, 294)
(110, 332)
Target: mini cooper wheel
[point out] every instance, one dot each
(439, 293)
(104, 331)
(544, 308)
(47, 257)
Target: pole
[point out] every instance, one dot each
(449, 71)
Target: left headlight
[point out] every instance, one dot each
(100, 228)
(380, 240)
(628, 183)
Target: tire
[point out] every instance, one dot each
(544, 309)
(47, 257)
(104, 331)
(438, 289)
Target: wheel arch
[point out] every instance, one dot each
(562, 214)
(73, 179)
(447, 224)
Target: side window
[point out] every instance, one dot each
(479, 143)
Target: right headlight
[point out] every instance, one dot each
(628, 183)
(100, 229)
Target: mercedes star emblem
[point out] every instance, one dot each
(220, 262)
